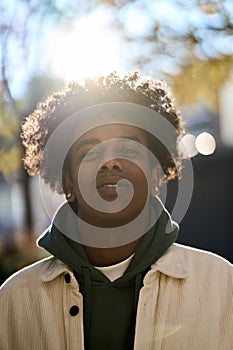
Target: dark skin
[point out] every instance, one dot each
(109, 174)
(110, 256)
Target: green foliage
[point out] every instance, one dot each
(201, 81)
(10, 150)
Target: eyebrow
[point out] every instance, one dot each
(95, 141)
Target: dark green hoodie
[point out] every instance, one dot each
(110, 307)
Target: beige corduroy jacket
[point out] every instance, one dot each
(186, 303)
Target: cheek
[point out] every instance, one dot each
(140, 180)
(139, 172)
(83, 177)
(141, 189)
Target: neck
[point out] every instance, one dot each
(106, 251)
(110, 256)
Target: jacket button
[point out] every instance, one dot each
(74, 310)
(67, 278)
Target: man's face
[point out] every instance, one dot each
(109, 171)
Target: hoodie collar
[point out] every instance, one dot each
(170, 264)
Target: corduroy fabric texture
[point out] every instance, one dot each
(186, 303)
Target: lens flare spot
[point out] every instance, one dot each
(187, 145)
(205, 144)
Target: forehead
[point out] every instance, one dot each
(113, 131)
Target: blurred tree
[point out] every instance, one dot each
(165, 38)
(201, 80)
(190, 43)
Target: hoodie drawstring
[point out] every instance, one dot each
(87, 300)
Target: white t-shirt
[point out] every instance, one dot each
(115, 271)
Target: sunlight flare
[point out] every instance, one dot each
(87, 50)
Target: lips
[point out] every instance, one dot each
(107, 186)
(112, 182)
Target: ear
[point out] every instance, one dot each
(155, 176)
(68, 187)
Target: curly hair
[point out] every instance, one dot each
(47, 116)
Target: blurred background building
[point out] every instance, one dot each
(44, 44)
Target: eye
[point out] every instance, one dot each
(89, 155)
(129, 151)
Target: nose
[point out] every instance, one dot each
(112, 165)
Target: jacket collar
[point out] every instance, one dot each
(53, 269)
(171, 264)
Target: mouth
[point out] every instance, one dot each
(109, 189)
(107, 186)
(112, 186)
(111, 183)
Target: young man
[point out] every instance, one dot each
(116, 279)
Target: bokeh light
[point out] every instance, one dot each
(205, 144)
(187, 145)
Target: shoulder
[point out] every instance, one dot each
(196, 273)
(195, 256)
(182, 261)
(32, 275)
(203, 262)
